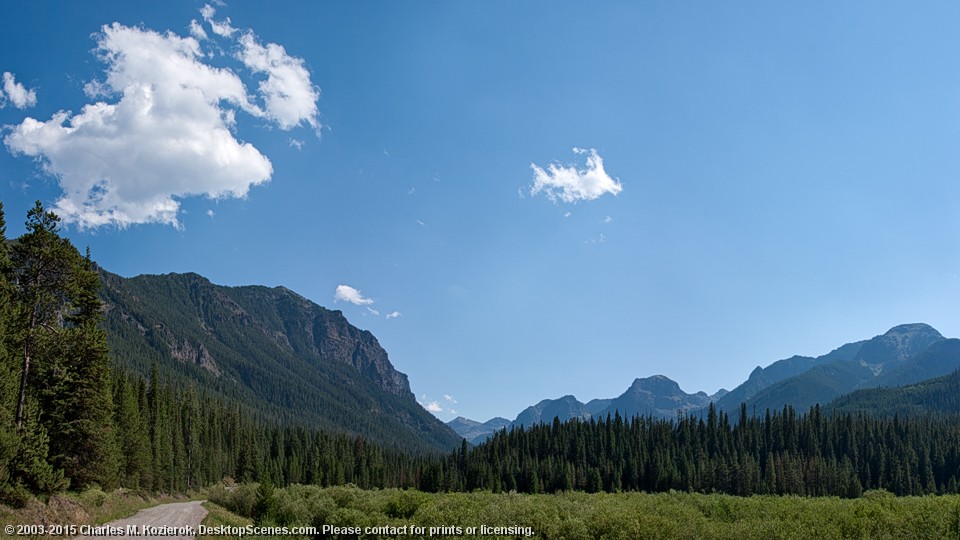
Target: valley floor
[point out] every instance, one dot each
(574, 515)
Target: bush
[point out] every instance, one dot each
(404, 504)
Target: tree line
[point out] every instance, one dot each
(782, 452)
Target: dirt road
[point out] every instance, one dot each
(165, 520)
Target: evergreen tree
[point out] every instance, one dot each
(82, 434)
(40, 272)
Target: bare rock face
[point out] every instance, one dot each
(188, 352)
(326, 335)
(339, 341)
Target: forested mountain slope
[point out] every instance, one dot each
(940, 395)
(904, 354)
(279, 354)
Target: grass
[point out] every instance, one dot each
(219, 516)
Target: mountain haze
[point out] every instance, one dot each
(477, 432)
(656, 396)
(564, 408)
(905, 354)
(878, 359)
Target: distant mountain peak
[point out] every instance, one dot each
(899, 343)
(655, 383)
(912, 328)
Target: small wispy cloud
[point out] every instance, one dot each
(347, 293)
(373, 312)
(296, 143)
(570, 184)
(16, 93)
(211, 213)
(608, 219)
(438, 405)
(220, 28)
(197, 31)
(420, 223)
(602, 239)
(394, 314)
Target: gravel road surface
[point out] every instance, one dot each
(165, 519)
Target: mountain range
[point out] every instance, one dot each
(268, 350)
(901, 356)
(284, 358)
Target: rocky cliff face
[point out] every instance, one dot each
(339, 341)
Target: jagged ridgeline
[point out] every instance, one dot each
(282, 356)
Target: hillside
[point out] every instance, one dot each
(940, 395)
(280, 355)
(904, 354)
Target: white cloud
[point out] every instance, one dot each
(211, 213)
(567, 214)
(349, 294)
(296, 143)
(220, 28)
(437, 406)
(163, 128)
(608, 219)
(420, 223)
(373, 311)
(167, 137)
(571, 184)
(290, 97)
(16, 93)
(394, 314)
(197, 31)
(96, 89)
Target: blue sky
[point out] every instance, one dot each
(750, 180)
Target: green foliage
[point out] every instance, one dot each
(263, 510)
(627, 515)
(241, 499)
(404, 504)
(30, 467)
